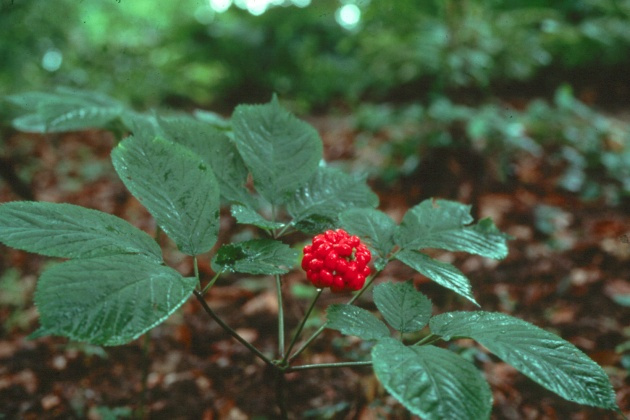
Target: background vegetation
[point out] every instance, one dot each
(457, 74)
(215, 53)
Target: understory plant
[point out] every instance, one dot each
(266, 166)
(589, 149)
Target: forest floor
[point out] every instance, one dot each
(567, 272)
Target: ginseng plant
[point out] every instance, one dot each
(113, 285)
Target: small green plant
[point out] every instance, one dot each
(115, 285)
(588, 149)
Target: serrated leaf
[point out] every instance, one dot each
(69, 231)
(215, 147)
(60, 118)
(314, 224)
(373, 226)
(212, 118)
(142, 125)
(176, 186)
(28, 101)
(352, 320)
(108, 300)
(446, 225)
(256, 256)
(544, 357)
(30, 123)
(431, 382)
(440, 272)
(402, 306)
(248, 216)
(328, 193)
(64, 110)
(281, 152)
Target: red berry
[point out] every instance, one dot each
(357, 284)
(318, 240)
(337, 260)
(343, 250)
(323, 250)
(362, 259)
(326, 278)
(342, 265)
(312, 275)
(316, 264)
(331, 260)
(306, 261)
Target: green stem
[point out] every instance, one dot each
(323, 327)
(301, 326)
(211, 283)
(307, 342)
(431, 338)
(281, 398)
(280, 317)
(196, 268)
(329, 365)
(283, 230)
(230, 331)
(365, 287)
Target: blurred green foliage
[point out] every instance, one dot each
(212, 53)
(590, 149)
(185, 53)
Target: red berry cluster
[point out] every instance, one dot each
(336, 260)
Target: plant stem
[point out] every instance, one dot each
(365, 287)
(196, 268)
(307, 342)
(431, 338)
(283, 230)
(301, 327)
(211, 283)
(280, 317)
(329, 365)
(323, 327)
(230, 331)
(281, 399)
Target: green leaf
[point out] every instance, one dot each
(30, 123)
(440, 272)
(69, 231)
(212, 118)
(248, 216)
(446, 225)
(64, 110)
(281, 151)
(177, 187)
(108, 300)
(373, 226)
(352, 320)
(256, 256)
(314, 224)
(431, 382)
(142, 125)
(546, 358)
(215, 147)
(328, 193)
(404, 308)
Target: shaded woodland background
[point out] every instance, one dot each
(520, 108)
